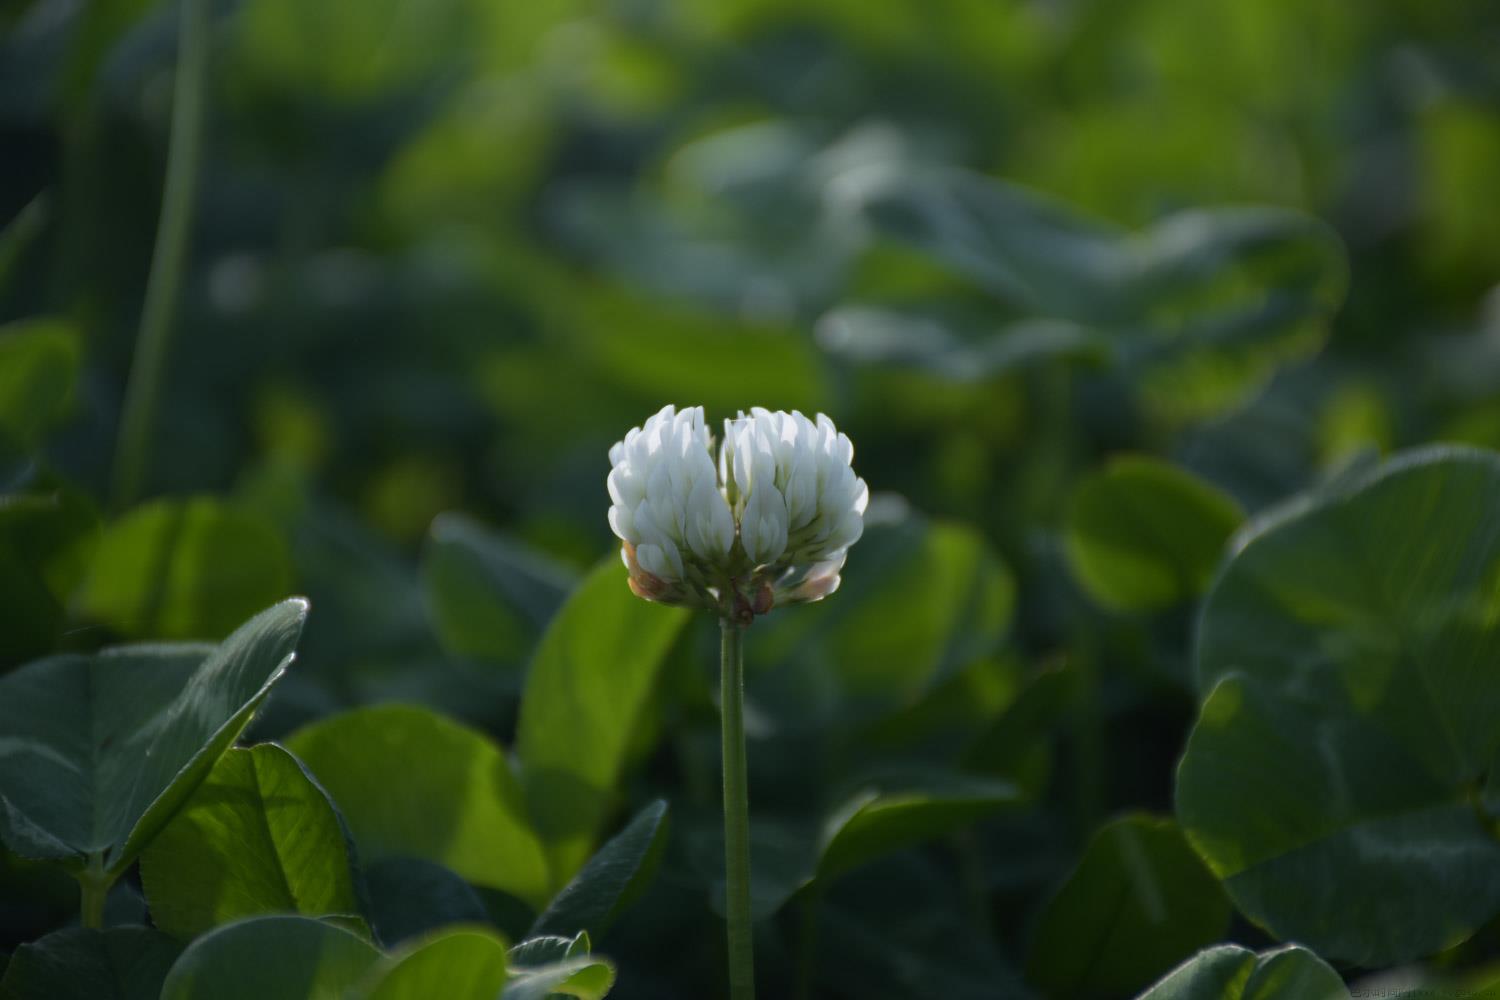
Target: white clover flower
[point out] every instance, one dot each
(804, 465)
(772, 527)
(667, 508)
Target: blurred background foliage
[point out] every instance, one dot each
(1086, 282)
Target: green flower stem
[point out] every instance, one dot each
(736, 812)
(147, 369)
(810, 900)
(94, 886)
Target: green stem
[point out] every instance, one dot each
(142, 393)
(972, 883)
(736, 812)
(810, 901)
(94, 885)
(1090, 742)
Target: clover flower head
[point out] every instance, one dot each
(771, 525)
(667, 508)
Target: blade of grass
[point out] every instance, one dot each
(148, 368)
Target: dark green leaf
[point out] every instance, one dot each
(920, 600)
(258, 836)
(35, 896)
(184, 569)
(489, 597)
(1200, 309)
(412, 783)
(409, 897)
(610, 879)
(1339, 761)
(20, 231)
(38, 365)
(1138, 902)
(1143, 534)
(1038, 254)
(888, 815)
(1016, 243)
(1229, 972)
(122, 963)
(897, 814)
(98, 752)
(293, 957)
(906, 933)
(906, 340)
(1015, 744)
(586, 691)
(47, 536)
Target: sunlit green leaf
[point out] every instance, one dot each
(258, 836)
(584, 978)
(1143, 534)
(184, 569)
(459, 963)
(412, 783)
(585, 692)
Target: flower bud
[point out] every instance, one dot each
(764, 599)
(805, 584)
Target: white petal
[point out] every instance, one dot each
(653, 559)
(624, 486)
(847, 531)
(675, 559)
(710, 530)
(623, 524)
(763, 526)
